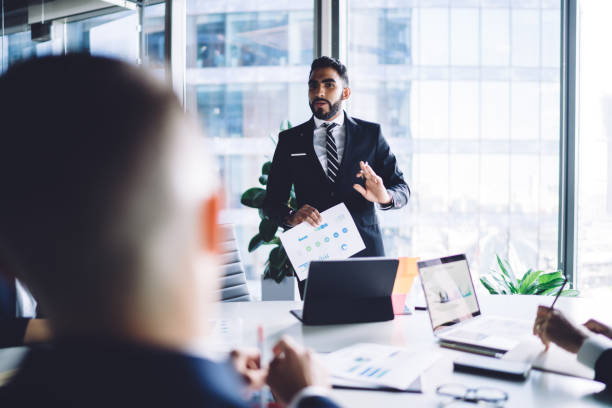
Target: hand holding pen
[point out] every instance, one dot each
(551, 326)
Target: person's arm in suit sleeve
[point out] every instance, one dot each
(313, 397)
(603, 368)
(279, 184)
(18, 331)
(393, 179)
(596, 353)
(12, 331)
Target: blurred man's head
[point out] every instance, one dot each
(108, 208)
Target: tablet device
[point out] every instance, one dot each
(355, 290)
(493, 367)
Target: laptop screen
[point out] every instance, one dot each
(449, 290)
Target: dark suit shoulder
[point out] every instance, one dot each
(120, 375)
(366, 124)
(296, 129)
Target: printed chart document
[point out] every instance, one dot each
(336, 238)
(377, 365)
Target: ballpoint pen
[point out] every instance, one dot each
(558, 294)
(261, 347)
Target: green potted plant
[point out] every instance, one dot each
(278, 266)
(533, 282)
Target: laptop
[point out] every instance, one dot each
(455, 314)
(355, 290)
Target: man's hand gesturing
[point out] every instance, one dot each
(374, 190)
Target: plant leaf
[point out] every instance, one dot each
(513, 289)
(570, 293)
(267, 229)
(253, 197)
(279, 275)
(267, 274)
(265, 168)
(548, 277)
(547, 287)
(528, 279)
(263, 179)
(531, 289)
(487, 286)
(274, 241)
(278, 258)
(504, 289)
(507, 270)
(255, 242)
(548, 291)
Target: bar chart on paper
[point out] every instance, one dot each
(381, 365)
(336, 238)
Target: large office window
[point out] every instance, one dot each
(247, 72)
(594, 141)
(467, 93)
(111, 32)
(468, 97)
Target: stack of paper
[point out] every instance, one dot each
(367, 365)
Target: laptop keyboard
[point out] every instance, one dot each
(502, 327)
(486, 327)
(468, 335)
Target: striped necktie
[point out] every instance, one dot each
(332, 153)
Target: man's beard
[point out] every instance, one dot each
(333, 109)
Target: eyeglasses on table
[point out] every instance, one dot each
(483, 396)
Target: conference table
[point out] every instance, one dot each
(237, 324)
(541, 389)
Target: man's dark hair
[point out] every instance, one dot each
(80, 146)
(328, 62)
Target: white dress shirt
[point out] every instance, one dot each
(592, 348)
(26, 304)
(320, 139)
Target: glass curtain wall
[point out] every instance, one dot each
(467, 92)
(247, 72)
(111, 32)
(594, 137)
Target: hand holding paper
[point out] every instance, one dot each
(336, 237)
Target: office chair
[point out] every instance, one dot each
(233, 285)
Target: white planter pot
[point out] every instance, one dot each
(286, 290)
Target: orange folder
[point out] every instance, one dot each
(406, 272)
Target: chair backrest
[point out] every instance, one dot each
(233, 285)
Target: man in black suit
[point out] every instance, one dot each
(334, 158)
(593, 346)
(109, 216)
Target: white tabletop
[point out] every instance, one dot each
(238, 324)
(414, 331)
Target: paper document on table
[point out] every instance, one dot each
(224, 334)
(555, 360)
(378, 365)
(336, 238)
